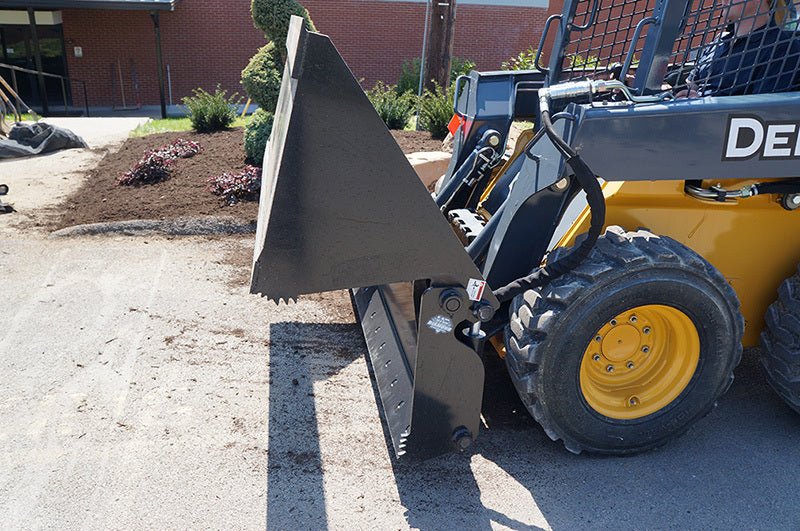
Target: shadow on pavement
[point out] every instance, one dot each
(737, 468)
(300, 354)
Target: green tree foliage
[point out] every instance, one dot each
(262, 77)
(256, 135)
(273, 17)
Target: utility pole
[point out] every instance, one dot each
(440, 43)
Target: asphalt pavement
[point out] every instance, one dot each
(143, 387)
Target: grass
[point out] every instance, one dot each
(25, 118)
(170, 125)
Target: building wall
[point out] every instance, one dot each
(205, 44)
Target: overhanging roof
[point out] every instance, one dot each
(142, 5)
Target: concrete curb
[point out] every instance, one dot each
(195, 226)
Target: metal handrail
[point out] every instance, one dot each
(64, 79)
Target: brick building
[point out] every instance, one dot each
(205, 42)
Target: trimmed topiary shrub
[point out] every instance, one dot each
(234, 187)
(262, 77)
(210, 112)
(435, 111)
(394, 109)
(273, 16)
(256, 134)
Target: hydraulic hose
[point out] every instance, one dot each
(594, 197)
(717, 193)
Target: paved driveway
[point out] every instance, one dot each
(143, 387)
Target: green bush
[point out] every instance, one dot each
(578, 61)
(409, 77)
(273, 16)
(256, 134)
(262, 77)
(525, 60)
(435, 111)
(211, 112)
(394, 109)
(409, 73)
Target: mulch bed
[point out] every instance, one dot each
(415, 141)
(185, 193)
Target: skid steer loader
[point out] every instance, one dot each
(618, 257)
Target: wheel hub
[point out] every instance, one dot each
(639, 361)
(620, 343)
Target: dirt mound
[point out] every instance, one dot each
(185, 193)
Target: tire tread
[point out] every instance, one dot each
(616, 249)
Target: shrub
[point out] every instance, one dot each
(394, 109)
(256, 134)
(409, 73)
(156, 165)
(210, 112)
(262, 77)
(578, 61)
(409, 77)
(524, 60)
(153, 167)
(435, 111)
(273, 16)
(234, 187)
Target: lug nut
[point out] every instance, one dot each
(609, 368)
(645, 349)
(646, 329)
(613, 322)
(629, 365)
(596, 357)
(598, 338)
(633, 319)
(633, 401)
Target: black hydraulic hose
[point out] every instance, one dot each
(778, 187)
(594, 197)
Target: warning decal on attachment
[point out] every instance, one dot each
(475, 289)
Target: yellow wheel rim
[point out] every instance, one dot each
(639, 361)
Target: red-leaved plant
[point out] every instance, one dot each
(156, 165)
(234, 187)
(153, 167)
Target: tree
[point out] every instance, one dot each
(440, 43)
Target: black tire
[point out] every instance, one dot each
(551, 327)
(780, 342)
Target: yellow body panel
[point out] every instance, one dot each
(753, 242)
